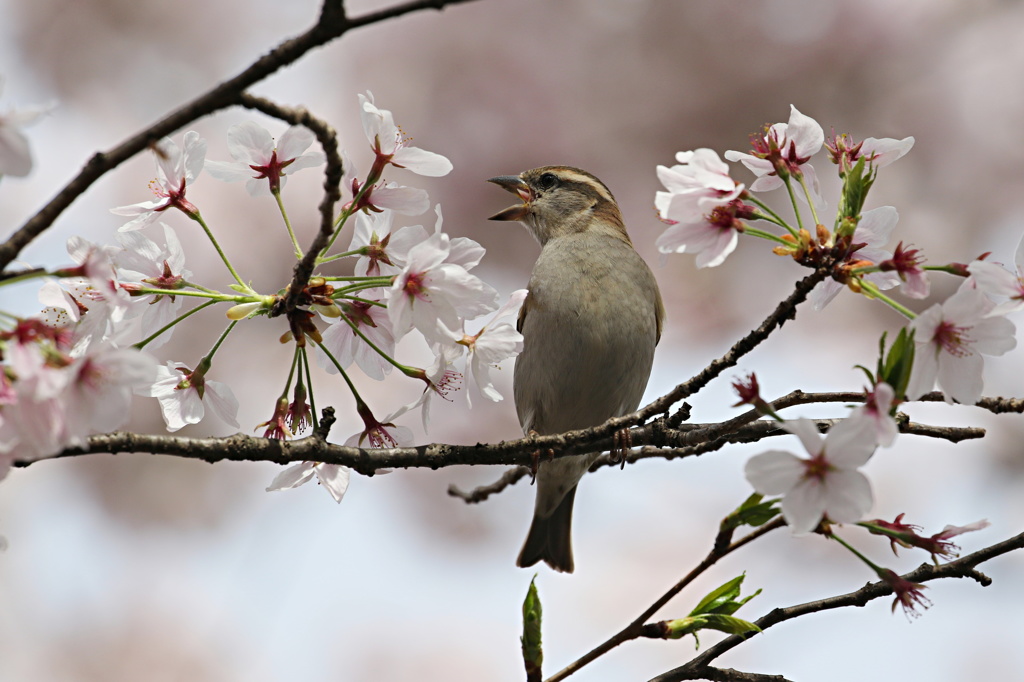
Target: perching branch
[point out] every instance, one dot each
(521, 452)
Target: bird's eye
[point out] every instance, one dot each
(547, 181)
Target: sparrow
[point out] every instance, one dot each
(590, 323)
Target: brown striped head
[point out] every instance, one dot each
(561, 200)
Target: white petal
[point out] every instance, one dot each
(804, 505)
(334, 478)
(847, 496)
(774, 472)
(292, 477)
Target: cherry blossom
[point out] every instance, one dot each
(258, 159)
(184, 396)
(100, 386)
(712, 237)
(391, 146)
(879, 152)
(950, 339)
(434, 295)
(176, 169)
(384, 249)
(875, 414)
(827, 483)
(906, 263)
(494, 343)
(701, 175)
(144, 263)
(784, 149)
(997, 281)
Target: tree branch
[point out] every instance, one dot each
(964, 567)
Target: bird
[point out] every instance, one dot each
(590, 323)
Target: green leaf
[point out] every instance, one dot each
(753, 512)
(533, 652)
(729, 624)
(719, 596)
(898, 363)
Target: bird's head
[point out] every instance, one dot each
(561, 200)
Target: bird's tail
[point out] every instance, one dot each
(550, 538)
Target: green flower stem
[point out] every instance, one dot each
(287, 223)
(213, 296)
(754, 232)
(213, 240)
(810, 202)
(354, 252)
(344, 375)
(355, 328)
(291, 373)
(874, 292)
(774, 217)
(200, 287)
(792, 200)
(208, 358)
(382, 279)
(363, 300)
(309, 383)
(142, 344)
(874, 567)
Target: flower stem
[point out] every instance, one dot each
(309, 383)
(873, 291)
(213, 240)
(287, 223)
(142, 344)
(810, 201)
(754, 232)
(772, 216)
(792, 200)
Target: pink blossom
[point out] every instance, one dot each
(906, 263)
(784, 149)
(495, 342)
(878, 152)
(875, 414)
(146, 263)
(950, 339)
(434, 295)
(827, 483)
(391, 145)
(263, 165)
(997, 281)
(176, 169)
(184, 396)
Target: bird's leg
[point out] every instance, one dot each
(622, 442)
(535, 458)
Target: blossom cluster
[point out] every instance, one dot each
(944, 345)
(72, 371)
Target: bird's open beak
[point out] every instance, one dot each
(515, 184)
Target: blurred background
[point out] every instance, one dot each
(138, 567)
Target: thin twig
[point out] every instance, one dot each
(635, 629)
